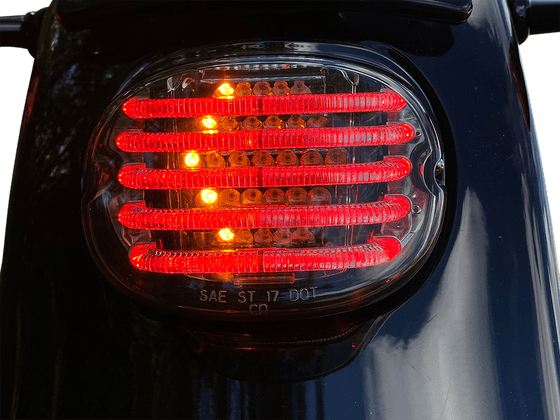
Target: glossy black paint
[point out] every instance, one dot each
(477, 338)
(77, 15)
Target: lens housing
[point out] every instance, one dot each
(286, 180)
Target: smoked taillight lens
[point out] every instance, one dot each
(280, 185)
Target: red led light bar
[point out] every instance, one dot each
(140, 177)
(148, 257)
(307, 138)
(385, 100)
(138, 216)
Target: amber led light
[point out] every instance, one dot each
(209, 196)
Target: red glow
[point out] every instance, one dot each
(264, 105)
(138, 216)
(148, 257)
(140, 177)
(308, 138)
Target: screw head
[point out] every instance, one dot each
(440, 166)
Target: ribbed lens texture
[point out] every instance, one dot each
(263, 260)
(138, 216)
(140, 177)
(264, 105)
(251, 177)
(266, 139)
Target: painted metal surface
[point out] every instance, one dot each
(477, 337)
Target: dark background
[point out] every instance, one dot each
(541, 58)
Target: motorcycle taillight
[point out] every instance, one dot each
(279, 185)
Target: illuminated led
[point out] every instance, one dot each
(209, 196)
(264, 105)
(299, 88)
(148, 257)
(224, 91)
(209, 122)
(275, 215)
(226, 234)
(387, 170)
(296, 138)
(204, 199)
(192, 159)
